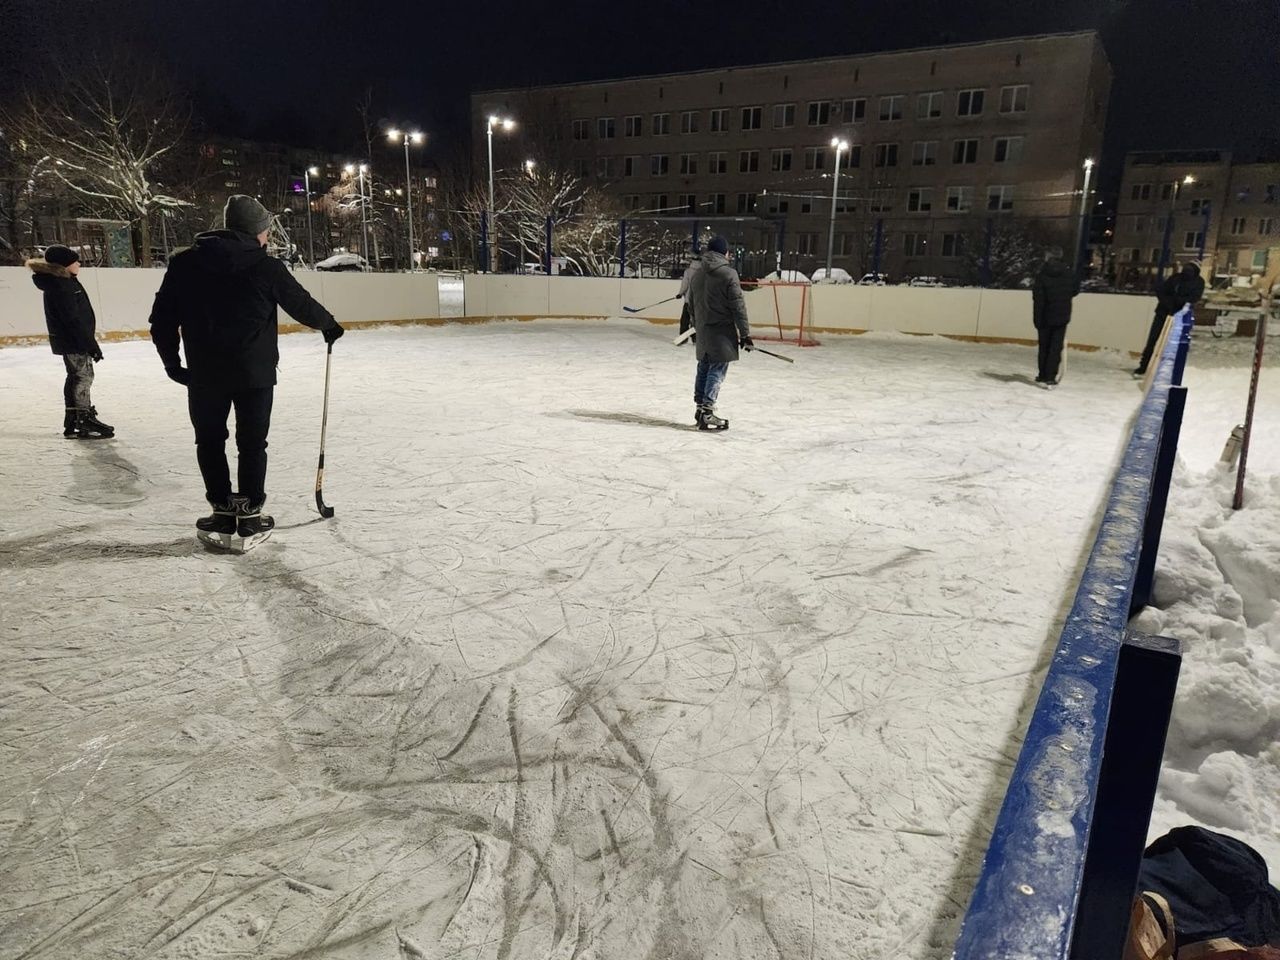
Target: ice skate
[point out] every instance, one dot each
(252, 526)
(69, 423)
(709, 421)
(234, 527)
(88, 427)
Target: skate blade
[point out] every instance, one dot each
(231, 542)
(715, 429)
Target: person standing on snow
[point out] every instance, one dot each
(219, 302)
(1051, 295)
(720, 322)
(69, 316)
(1172, 295)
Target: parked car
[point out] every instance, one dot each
(837, 275)
(343, 261)
(873, 280)
(925, 282)
(786, 276)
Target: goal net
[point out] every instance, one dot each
(789, 309)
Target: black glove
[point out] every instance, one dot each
(746, 343)
(178, 374)
(679, 296)
(95, 353)
(333, 333)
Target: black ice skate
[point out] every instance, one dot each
(234, 527)
(69, 423)
(253, 525)
(707, 419)
(87, 426)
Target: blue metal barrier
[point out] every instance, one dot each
(1061, 868)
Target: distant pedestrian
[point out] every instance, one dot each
(69, 316)
(219, 303)
(720, 319)
(1178, 290)
(1054, 288)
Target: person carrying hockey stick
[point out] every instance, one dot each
(219, 302)
(720, 322)
(1180, 289)
(1051, 294)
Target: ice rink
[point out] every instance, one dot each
(564, 678)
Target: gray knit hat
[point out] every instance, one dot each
(245, 215)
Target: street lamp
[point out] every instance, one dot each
(841, 146)
(528, 167)
(507, 124)
(1084, 206)
(1166, 249)
(364, 219)
(307, 174)
(408, 181)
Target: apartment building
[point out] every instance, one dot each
(944, 142)
(1202, 205)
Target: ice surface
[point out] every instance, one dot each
(564, 678)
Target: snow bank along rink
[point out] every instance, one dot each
(1217, 589)
(564, 678)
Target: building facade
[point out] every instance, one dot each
(947, 146)
(1182, 205)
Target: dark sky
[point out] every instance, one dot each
(1188, 73)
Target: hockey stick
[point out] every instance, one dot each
(770, 353)
(325, 512)
(651, 306)
(683, 337)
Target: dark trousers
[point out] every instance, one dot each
(1051, 341)
(1153, 335)
(210, 407)
(75, 389)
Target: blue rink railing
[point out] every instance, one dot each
(1061, 870)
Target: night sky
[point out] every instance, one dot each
(1199, 73)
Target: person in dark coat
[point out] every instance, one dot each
(686, 281)
(1178, 290)
(219, 301)
(720, 325)
(1051, 295)
(69, 316)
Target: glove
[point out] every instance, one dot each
(746, 343)
(95, 353)
(178, 374)
(333, 333)
(679, 296)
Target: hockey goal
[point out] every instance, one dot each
(790, 304)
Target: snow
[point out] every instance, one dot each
(837, 275)
(563, 678)
(1218, 590)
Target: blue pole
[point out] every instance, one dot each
(696, 248)
(1204, 234)
(484, 242)
(547, 261)
(985, 272)
(875, 268)
(622, 250)
(1164, 246)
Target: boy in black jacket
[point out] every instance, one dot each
(72, 336)
(1051, 294)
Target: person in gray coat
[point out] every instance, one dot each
(720, 324)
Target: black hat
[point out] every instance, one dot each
(245, 215)
(60, 255)
(718, 244)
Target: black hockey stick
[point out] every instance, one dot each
(658, 304)
(770, 353)
(325, 512)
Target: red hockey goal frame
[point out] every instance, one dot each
(792, 304)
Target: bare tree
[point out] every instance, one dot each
(104, 133)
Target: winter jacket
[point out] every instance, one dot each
(219, 299)
(1180, 289)
(67, 311)
(1051, 295)
(719, 312)
(686, 314)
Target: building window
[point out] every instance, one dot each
(1013, 99)
(1192, 239)
(717, 203)
(953, 244)
(581, 167)
(716, 163)
(720, 120)
(886, 155)
(746, 203)
(1272, 193)
(1138, 225)
(658, 203)
(780, 160)
(846, 244)
(999, 198)
(631, 166)
(924, 153)
(689, 121)
(851, 157)
(964, 151)
(915, 244)
(853, 110)
(929, 105)
(919, 199)
(969, 103)
(1140, 191)
(1166, 190)
(1267, 226)
(659, 165)
(959, 199)
(581, 129)
(1237, 226)
(806, 244)
(633, 126)
(1008, 149)
(784, 115)
(688, 164)
(1155, 254)
(605, 169)
(815, 158)
(891, 107)
(881, 201)
(1135, 255)
(661, 124)
(631, 201)
(605, 128)
(806, 206)
(752, 118)
(1200, 207)
(1260, 260)
(748, 161)
(819, 113)
(687, 202)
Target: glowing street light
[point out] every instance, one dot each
(407, 138)
(506, 123)
(1084, 207)
(528, 167)
(307, 174)
(841, 146)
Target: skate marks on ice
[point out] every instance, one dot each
(1009, 377)
(636, 419)
(102, 475)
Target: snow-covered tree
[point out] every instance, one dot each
(1016, 251)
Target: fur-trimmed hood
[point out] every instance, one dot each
(51, 269)
(50, 276)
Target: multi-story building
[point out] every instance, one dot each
(946, 145)
(1181, 205)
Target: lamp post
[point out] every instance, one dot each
(841, 146)
(307, 174)
(408, 185)
(507, 124)
(1165, 250)
(1084, 208)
